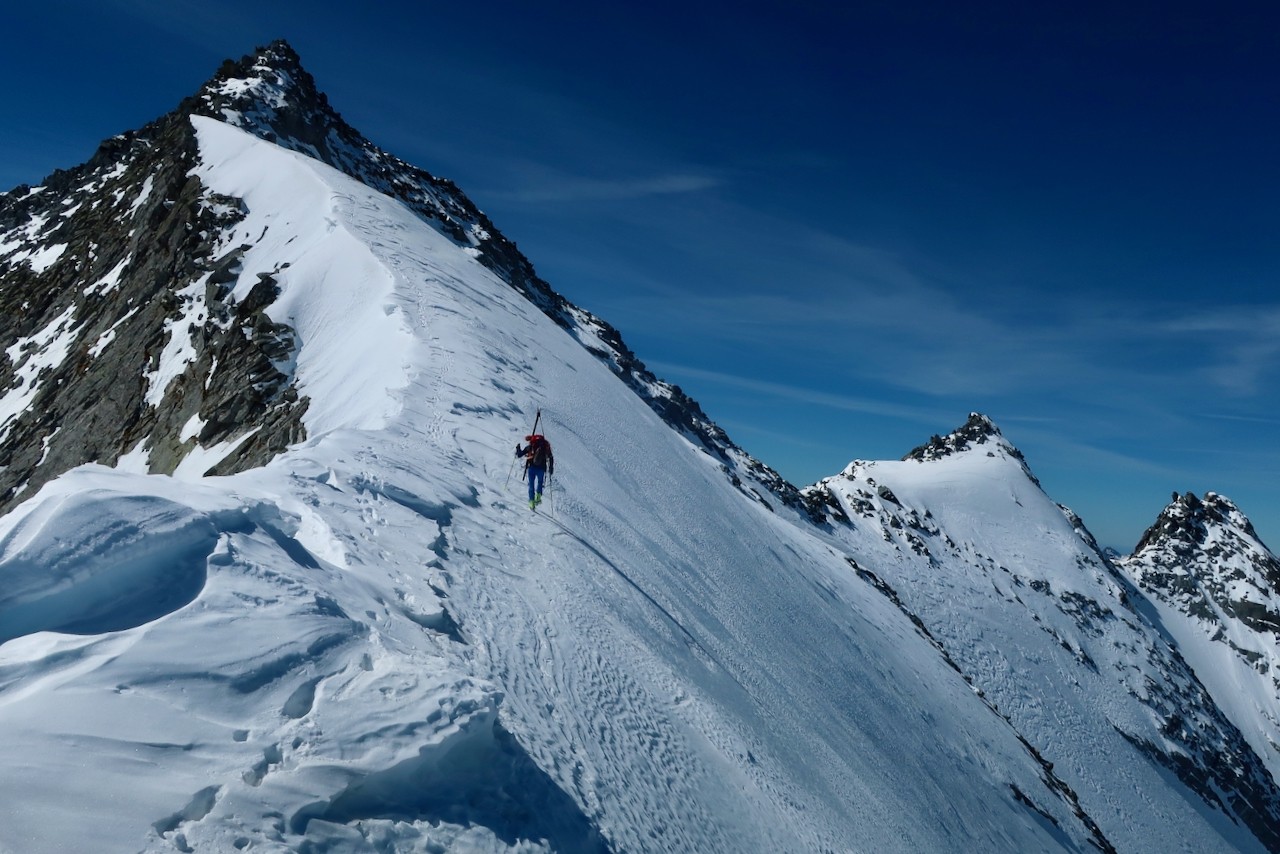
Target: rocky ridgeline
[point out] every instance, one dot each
(99, 263)
(1205, 557)
(96, 266)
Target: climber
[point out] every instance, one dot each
(538, 462)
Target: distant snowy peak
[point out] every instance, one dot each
(979, 436)
(979, 430)
(1188, 522)
(1216, 587)
(961, 537)
(1204, 556)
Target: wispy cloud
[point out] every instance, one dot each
(563, 188)
(1248, 419)
(1240, 346)
(807, 396)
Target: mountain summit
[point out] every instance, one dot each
(961, 537)
(268, 579)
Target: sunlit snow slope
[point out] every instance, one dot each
(373, 644)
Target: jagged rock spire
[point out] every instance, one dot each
(1204, 556)
(978, 430)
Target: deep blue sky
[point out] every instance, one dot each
(840, 229)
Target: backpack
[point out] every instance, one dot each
(536, 454)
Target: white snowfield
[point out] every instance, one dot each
(372, 644)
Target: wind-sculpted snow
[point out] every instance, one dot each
(271, 96)
(96, 562)
(369, 643)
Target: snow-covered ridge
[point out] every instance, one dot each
(270, 95)
(370, 643)
(333, 293)
(360, 639)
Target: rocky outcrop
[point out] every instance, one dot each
(1216, 588)
(117, 330)
(977, 430)
(1204, 557)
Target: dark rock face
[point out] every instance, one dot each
(107, 267)
(1205, 557)
(977, 430)
(97, 270)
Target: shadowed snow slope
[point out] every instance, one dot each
(372, 644)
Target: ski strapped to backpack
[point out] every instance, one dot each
(539, 462)
(537, 418)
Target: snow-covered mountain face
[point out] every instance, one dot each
(1216, 587)
(123, 269)
(1012, 587)
(269, 580)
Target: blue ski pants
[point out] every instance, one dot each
(536, 476)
